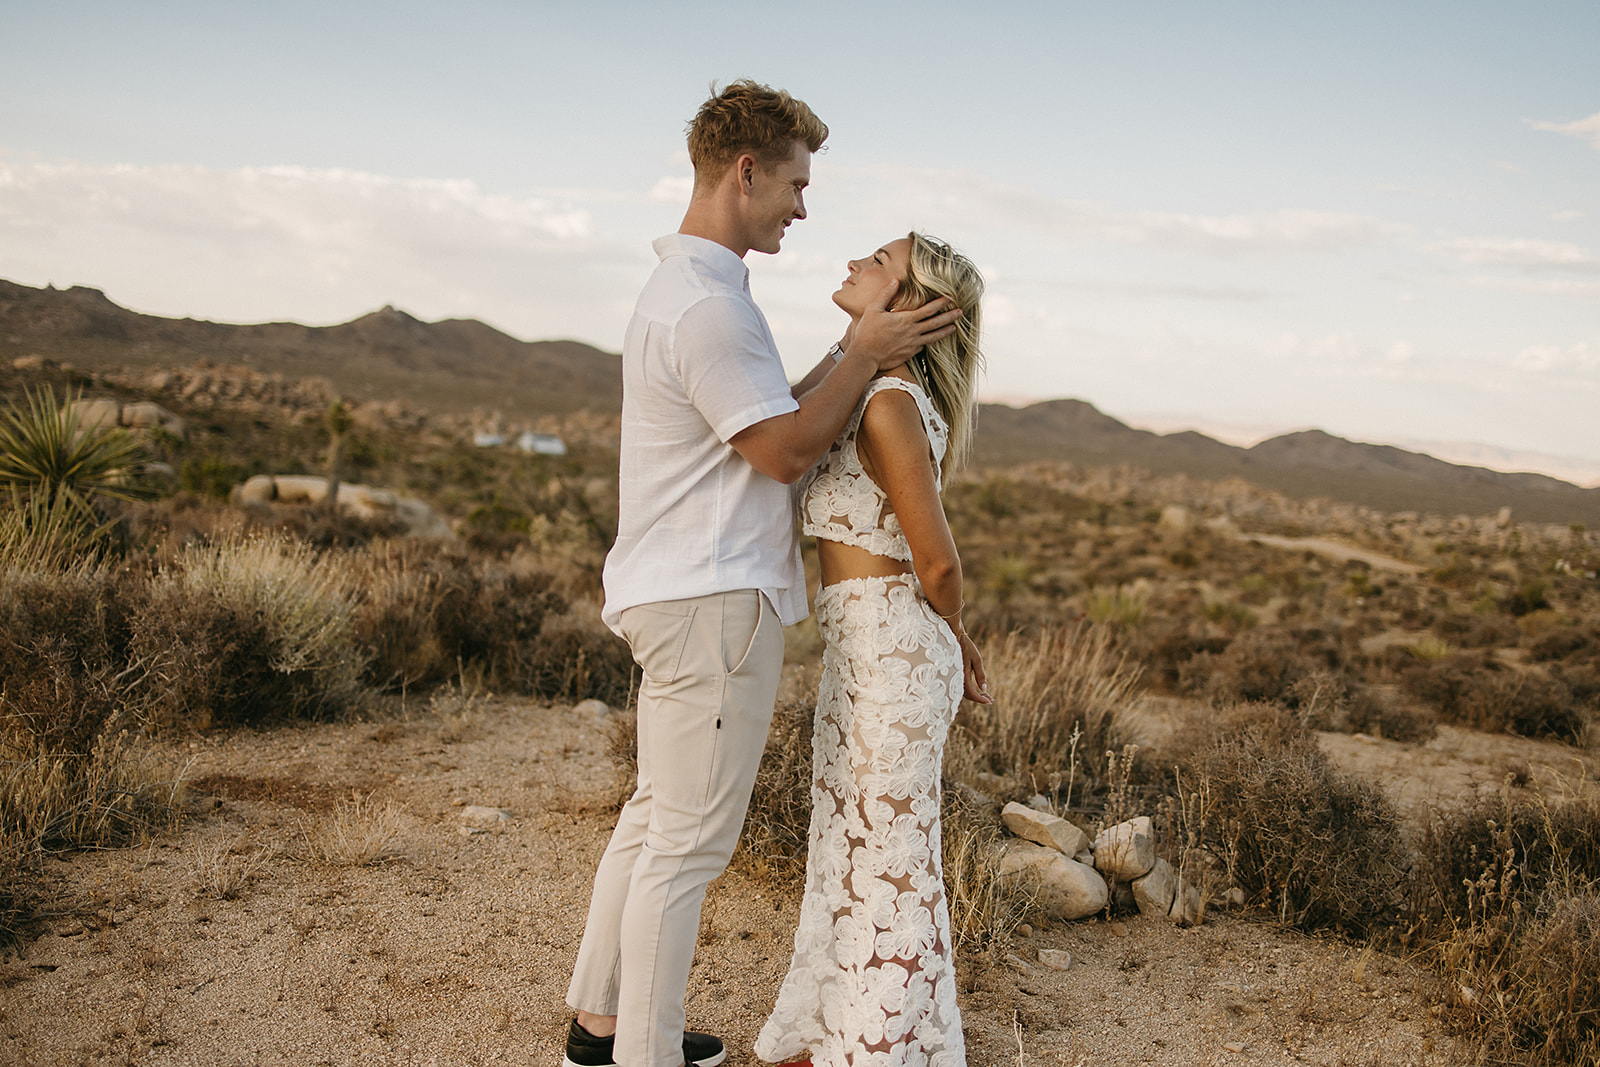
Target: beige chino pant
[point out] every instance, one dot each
(711, 667)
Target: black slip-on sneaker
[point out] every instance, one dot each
(586, 1050)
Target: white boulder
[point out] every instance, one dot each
(1044, 828)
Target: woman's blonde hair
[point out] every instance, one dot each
(948, 369)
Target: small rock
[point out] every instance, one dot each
(1126, 850)
(598, 708)
(1154, 892)
(1043, 828)
(1234, 1046)
(32, 363)
(1233, 898)
(1058, 959)
(468, 831)
(1119, 929)
(1024, 930)
(1187, 905)
(1017, 963)
(1084, 856)
(1040, 802)
(481, 816)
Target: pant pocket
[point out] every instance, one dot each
(657, 634)
(742, 633)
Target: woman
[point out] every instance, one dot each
(872, 981)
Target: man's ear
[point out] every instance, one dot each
(745, 166)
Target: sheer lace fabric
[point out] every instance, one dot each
(839, 501)
(872, 982)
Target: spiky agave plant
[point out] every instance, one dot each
(53, 470)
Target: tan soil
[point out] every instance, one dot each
(457, 949)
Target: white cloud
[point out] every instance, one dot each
(1584, 129)
(1538, 286)
(1580, 358)
(968, 199)
(673, 190)
(313, 245)
(1536, 255)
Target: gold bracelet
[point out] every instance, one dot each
(959, 609)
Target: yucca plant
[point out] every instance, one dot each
(53, 471)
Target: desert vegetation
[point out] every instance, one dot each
(1165, 644)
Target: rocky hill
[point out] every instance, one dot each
(447, 367)
(456, 366)
(1305, 464)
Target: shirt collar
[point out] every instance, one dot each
(718, 259)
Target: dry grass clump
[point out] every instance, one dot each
(247, 630)
(773, 845)
(1061, 695)
(1507, 903)
(1321, 849)
(224, 869)
(984, 909)
(55, 799)
(358, 832)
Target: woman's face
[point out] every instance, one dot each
(868, 276)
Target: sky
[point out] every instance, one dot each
(1378, 219)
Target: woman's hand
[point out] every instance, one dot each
(975, 681)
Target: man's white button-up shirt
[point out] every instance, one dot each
(699, 365)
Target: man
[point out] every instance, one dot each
(706, 568)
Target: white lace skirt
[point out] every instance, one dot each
(872, 983)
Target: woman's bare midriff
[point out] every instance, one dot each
(841, 561)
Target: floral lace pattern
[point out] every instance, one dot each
(872, 982)
(840, 502)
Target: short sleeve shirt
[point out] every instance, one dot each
(698, 366)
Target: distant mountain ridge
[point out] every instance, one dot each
(455, 365)
(1302, 464)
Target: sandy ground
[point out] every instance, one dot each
(233, 942)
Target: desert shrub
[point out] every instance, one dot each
(1473, 690)
(1167, 645)
(1476, 631)
(1529, 595)
(1266, 665)
(427, 612)
(1122, 606)
(1567, 642)
(1505, 896)
(1551, 847)
(1328, 700)
(1321, 849)
(1059, 700)
(247, 630)
(574, 658)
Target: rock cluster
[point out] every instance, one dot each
(137, 416)
(1068, 871)
(413, 516)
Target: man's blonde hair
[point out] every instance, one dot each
(749, 117)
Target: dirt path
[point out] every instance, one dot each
(1335, 550)
(457, 949)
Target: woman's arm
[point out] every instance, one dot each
(893, 445)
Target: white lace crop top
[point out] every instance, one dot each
(839, 501)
